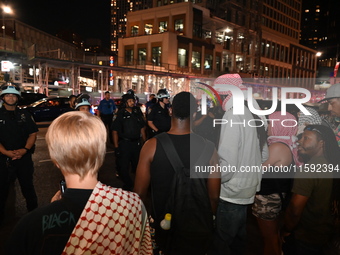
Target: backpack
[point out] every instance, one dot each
(191, 230)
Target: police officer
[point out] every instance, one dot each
(159, 119)
(128, 131)
(106, 110)
(18, 133)
(82, 103)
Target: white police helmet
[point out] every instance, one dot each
(162, 93)
(10, 89)
(84, 101)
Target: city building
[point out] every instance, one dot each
(258, 39)
(320, 26)
(119, 10)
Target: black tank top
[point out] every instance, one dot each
(162, 172)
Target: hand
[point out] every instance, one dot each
(10, 154)
(19, 153)
(283, 235)
(57, 196)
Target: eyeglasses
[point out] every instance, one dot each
(310, 128)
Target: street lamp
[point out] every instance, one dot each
(5, 10)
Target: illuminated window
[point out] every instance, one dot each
(179, 26)
(208, 62)
(196, 60)
(141, 56)
(156, 55)
(307, 10)
(163, 26)
(317, 10)
(134, 30)
(148, 29)
(182, 57)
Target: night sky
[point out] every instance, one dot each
(89, 18)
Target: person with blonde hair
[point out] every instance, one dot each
(89, 217)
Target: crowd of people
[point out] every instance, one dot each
(157, 156)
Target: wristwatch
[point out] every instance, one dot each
(27, 150)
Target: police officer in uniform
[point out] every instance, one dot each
(128, 131)
(18, 133)
(159, 119)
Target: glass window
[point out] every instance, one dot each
(196, 60)
(134, 30)
(141, 56)
(163, 26)
(182, 58)
(179, 26)
(148, 29)
(129, 57)
(197, 30)
(208, 62)
(218, 63)
(156, 55)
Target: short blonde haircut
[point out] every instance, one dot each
(77, 143)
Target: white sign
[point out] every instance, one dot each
(6, 65)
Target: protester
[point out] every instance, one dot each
(276, 185)
(305, 120)
(239, 147)
(155, 168)
(308, 217)
(128, 131)
(18, 133)
(333, 99)
(90, 217)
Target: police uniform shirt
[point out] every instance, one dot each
(134, 126)
(107, 106)
(15, 127)
(160, 117)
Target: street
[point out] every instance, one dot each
(46, 181)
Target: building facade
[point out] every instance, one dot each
(258, 39)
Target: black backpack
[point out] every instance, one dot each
(192, 227)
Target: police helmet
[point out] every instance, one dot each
(130, 91)
(84, 101)
(10, 89)
(126, 97)
(162, 93)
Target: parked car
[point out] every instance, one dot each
(29, 98)
(47, 109)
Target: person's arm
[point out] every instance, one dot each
(29, 144)
(279, 154)
(152, 126)
(10, 154)
(199, 121)
(293, 214)
(214, 183)
(142, 180)
(99, 109)
(115, 138)
(143, 132)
